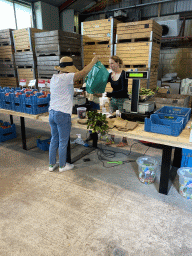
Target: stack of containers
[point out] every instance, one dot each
(51, 46)
(35, 103)
(6, 97)
(25, 58)
(8, 74)
(26, 100)
(99, 38)
(138, 45)
(168, 120)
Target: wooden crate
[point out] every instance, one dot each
(175, 100)
(145, 54)
(6, 53)
(98, 37)
(25, 59)
(6, 37)
(57, 43)
(102, 50)
(148, 30)
(99, 31)
(24, 39)
(26, 73)
(8, 81)
(46, 64)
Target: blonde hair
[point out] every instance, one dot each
(117, 60)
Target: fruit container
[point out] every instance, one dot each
(174, 112)
(147, 167)
(81, 112)
(35, 104)
(7, 131)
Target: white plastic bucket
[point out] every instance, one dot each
(185, 182)
(81, 112)
(147, 169)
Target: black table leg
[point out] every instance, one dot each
(11, 119)
(177, 157)
(165, 170)
(69, 152)
(22, 120)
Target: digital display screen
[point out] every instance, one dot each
(135, 74)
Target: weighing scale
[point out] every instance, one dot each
(135, 110)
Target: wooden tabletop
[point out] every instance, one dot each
(181, 141)
(15, 113)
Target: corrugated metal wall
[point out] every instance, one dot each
(167, 8)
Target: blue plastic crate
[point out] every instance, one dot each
(43, 144)
(7, 105)
(9, 133)
(186, 160)
(175, 112)
(34, 105)
(160, 125)
(17, 103)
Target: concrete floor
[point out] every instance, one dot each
(90, 210)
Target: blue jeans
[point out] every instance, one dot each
(60, 124)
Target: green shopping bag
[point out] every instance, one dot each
(97, 78)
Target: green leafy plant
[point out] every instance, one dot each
(97, 122)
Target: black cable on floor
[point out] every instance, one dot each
(107, 153)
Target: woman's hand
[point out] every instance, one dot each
(95, 59)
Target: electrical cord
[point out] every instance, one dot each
(103, 154)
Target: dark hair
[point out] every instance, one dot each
(117, 60)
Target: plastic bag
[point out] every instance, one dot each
(97, 79)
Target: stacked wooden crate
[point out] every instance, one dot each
(138, 45)
(8, 75)
(98, 38)
(53, 45)
(25, 58)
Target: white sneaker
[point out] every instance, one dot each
(52, 168)
(66, 168)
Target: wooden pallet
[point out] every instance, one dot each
(57, 43)
(99, 31)
(138, 37)
(26, 73)
(8, 81)
(24, 39)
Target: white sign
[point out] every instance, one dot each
(41, 83)
(22, 82)
(32, 83)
